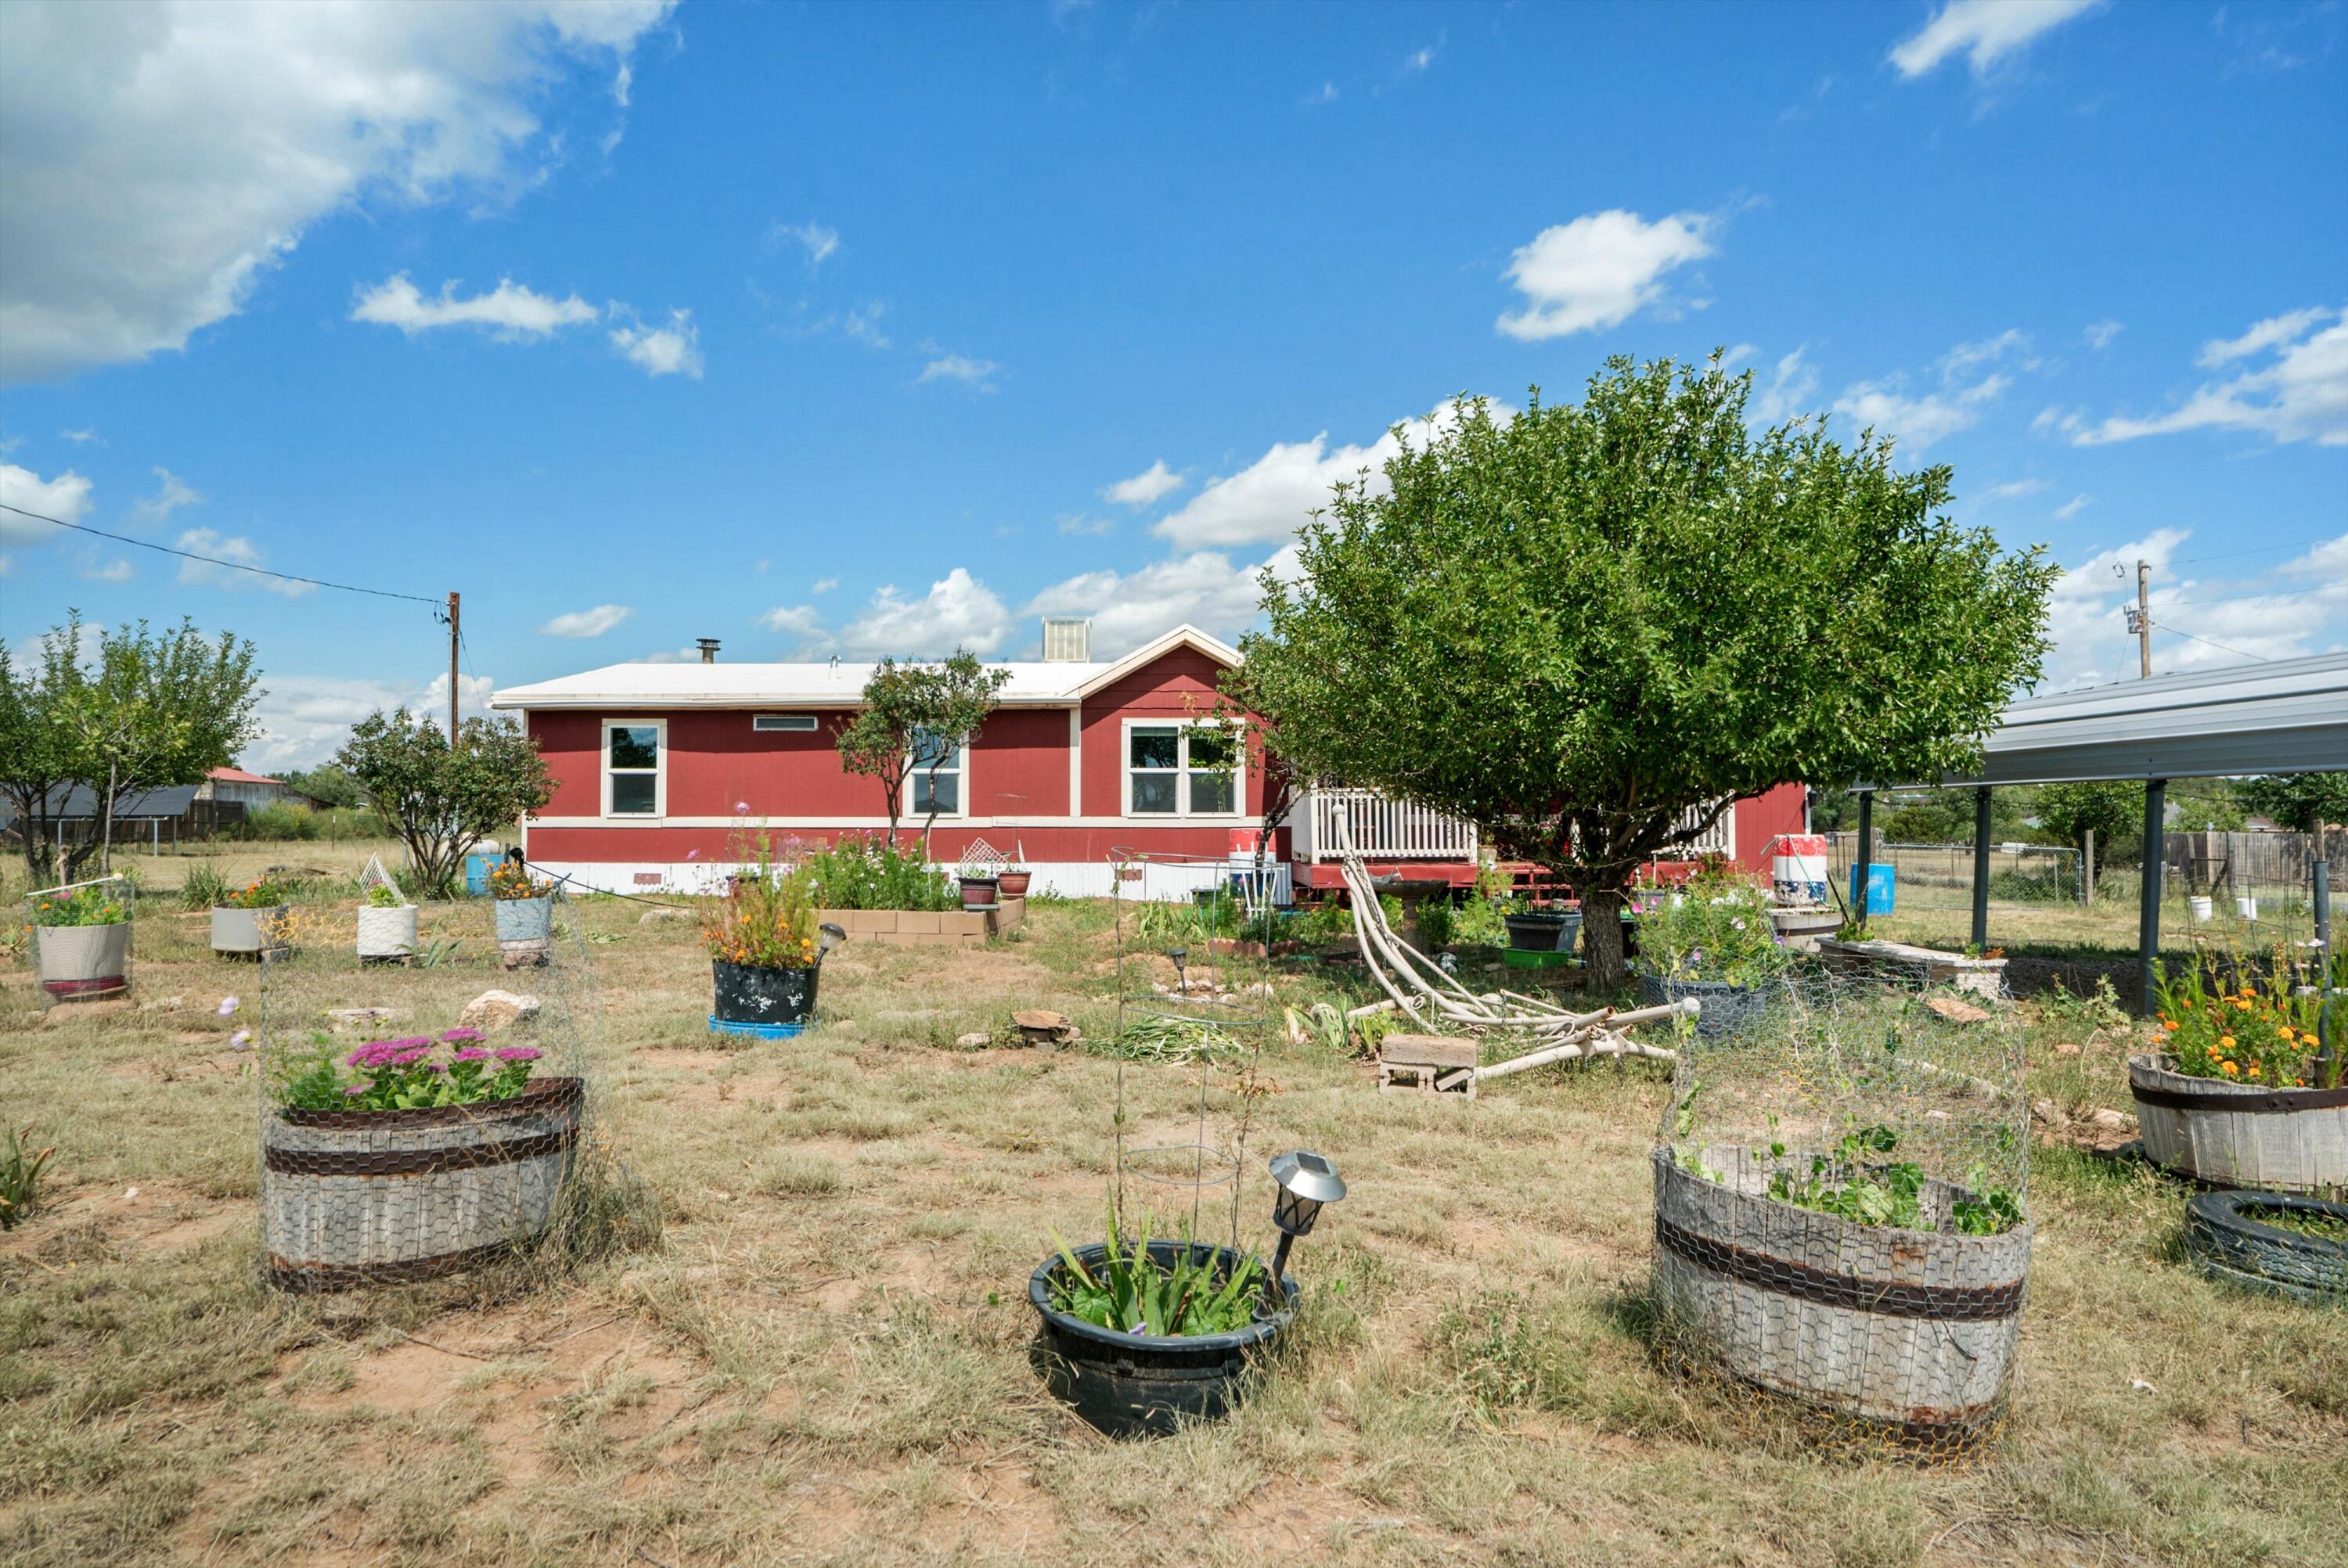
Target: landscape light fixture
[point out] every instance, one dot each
(830, 934)
(1306, 1182)
(1181, 977)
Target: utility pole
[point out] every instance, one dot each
(452, 663)
(2143, 619)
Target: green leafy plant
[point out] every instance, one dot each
(261, 892)
(20, 1177)
(868, 871)
(913, 719)
(442, 799)
(1153, 1038)
(1435, 920)
(203, 886)
(438, 952)
(90, 906)
(2243, 1022)
(456, 1068)
(767, 919)
(1718, 929)
(1847, 1186)
(384, 895)
(1130, 1292)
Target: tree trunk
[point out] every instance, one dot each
(106, 827)
(1601, 934)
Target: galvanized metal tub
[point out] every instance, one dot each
(525, 929)
(80, 963)
(354, 1197)
(2241, 1135)
(387, 933)
(1911, 1330)
(243, 931)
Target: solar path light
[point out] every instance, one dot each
(830, 934)
(1306, 1182)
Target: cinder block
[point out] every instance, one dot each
(965, 923)
(921, 922)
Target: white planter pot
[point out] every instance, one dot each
(81, 961)
(387, 933)
(244, 930)
(2247, 908)
(2201, 908)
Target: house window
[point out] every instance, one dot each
(1180, 770)
(634, 778)
(937, 776)
(766, 723)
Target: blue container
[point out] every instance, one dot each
(1881, 883)
(478, 867)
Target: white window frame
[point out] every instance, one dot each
(960, 773)
(659, 769)
(1182, 770)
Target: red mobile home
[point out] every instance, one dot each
(657, 767)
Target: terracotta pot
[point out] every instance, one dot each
(1013, 884)
(978, 892)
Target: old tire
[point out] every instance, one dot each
(2225, 1234)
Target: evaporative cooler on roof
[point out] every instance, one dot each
(1068, 639)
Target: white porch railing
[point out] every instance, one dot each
(1382, 829)
(1720, 838)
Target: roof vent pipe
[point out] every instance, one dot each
(708, 650)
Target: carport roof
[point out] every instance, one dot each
(2281, 717)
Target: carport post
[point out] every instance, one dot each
(1980, 866)
(2322, 869)
(2147, 957)
(1866, 854)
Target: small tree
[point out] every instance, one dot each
(2304, 803)
(914, 715)
(1591, 629)
(36, 761)
(2112, 810)
(443, 799)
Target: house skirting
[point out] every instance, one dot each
(1067, 878)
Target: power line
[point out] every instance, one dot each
(2260, 550)
(215, 560)
(2254, 658)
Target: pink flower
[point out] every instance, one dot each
(240, 1039)
(461, 1036)
(693, 855)
(356, 1090)
(472, 1053)
(517, 1053)
(227, 1006)
(741, 808)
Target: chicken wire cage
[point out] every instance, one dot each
(79, 937)
(1192, 989)
(1842, 1222)
(433, 1117)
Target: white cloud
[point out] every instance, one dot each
(973, 372)
(1967, 357)
(2300, 395)
(672, 350)
(1327, 94)
(114, 570)
(821, 241)
(81, 437)
(172, 493)
(1789, 391)
(2099, 334)
(958, 611)
(304, 719)
(1599, 271)
(509, 311)
(1420, 58)
(1915, 420)
(798, 621)
(587, 623)
(1147, 488)
(65, 498)
(164, 154)
(1204, 588)
(2013, 489)
(236, 549)
(1272, 497)
(1077, 523)
(1983, 31)
(2296, 608)
(824, 585)
(2072, 507)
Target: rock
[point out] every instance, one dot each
(2046, 1111)
(493, 1010)
(663, 916)
(1956, 1011)
(2066, 1048)
(162, 1004)
(976, 1040)
(2114, 1121)
(362, 1017)
(65, 1013)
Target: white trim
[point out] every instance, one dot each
(1070, 878)
(1183, 636)
(958, 772)
(847, 823)
(1182, 771)
(659, 769)
(1076, 758)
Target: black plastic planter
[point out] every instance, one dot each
(746, 993)
(1143, 1385)
(1544, 930)
(1728, 1009)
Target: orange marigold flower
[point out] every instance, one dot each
(2225, 1042)
(2229, 1067)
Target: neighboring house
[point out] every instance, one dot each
(249, 790)
(658, 768)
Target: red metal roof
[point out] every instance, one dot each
(238, 775)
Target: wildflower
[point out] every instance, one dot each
(2229, 1069)
(461, 1036)
(240, 1039)
(356, 1090)
(517, 1053)
(472, 1053)
(741, 808)
(227, 1006)
(2226, 1042)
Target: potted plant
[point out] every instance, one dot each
(2244, 1094)
(84, 935)
(1012, 882)
(524, 910)
(1714, 942)
(387, 926)
(1541, 927)
(249, 919)
(464, 1149)
(765, 950)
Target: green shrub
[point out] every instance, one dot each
(203, 886)
(1435, 923)
(866, 871)
(1719, 930)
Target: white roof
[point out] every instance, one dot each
(2283, 716)
(1059, 684)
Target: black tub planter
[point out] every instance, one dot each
(1144, 1385)
(1728, 1009)
(753, 994)
(1544, 930)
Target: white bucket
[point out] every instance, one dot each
(2247, 908)
(2200, 907)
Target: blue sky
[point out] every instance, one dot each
(871, 329)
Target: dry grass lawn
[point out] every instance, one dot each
(826, 1358)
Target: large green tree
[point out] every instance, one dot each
(441, 799)
(2304, 803)
(1591, 628)
(2112, 810)
(916, 715)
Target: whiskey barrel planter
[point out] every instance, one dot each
(1144, 1385)
(2241, 1135)
(1911, 1331)
(1728, 1009)
(383, 1197)
(387, 933)
(243, 933)
(85, 963)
